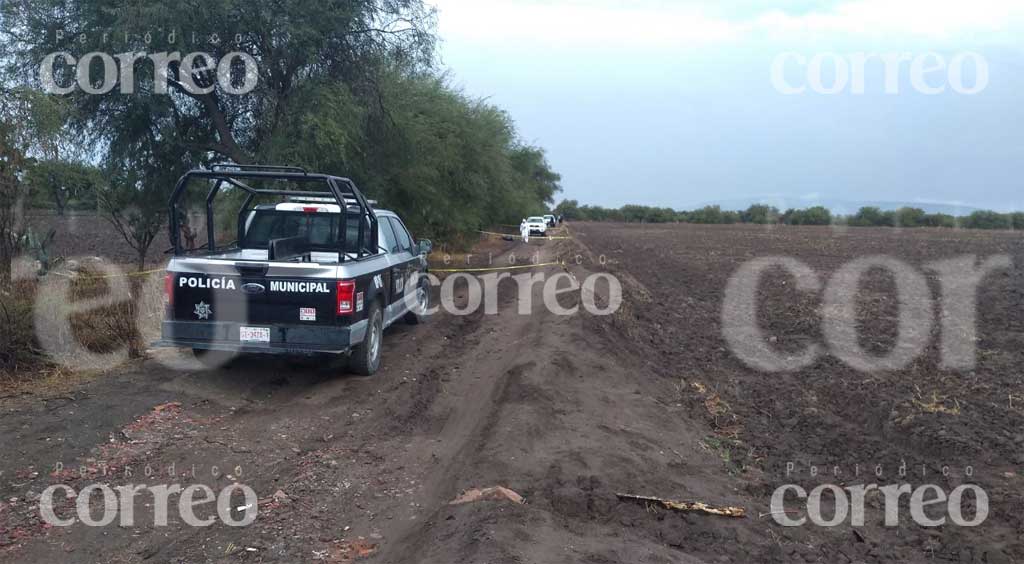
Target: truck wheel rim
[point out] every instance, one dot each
(375, 339)
(421, 300)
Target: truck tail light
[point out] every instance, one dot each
(169, 289)
(346, 296)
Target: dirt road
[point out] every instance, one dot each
(548, 406)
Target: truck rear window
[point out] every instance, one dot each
(321, 229)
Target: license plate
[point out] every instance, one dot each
(254, 334)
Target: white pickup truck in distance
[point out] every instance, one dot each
(537, 225)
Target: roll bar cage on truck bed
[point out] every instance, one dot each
(342, 190)
(322, 273)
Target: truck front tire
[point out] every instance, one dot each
(365, 359)
(419, 312)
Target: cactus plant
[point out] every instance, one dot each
(38, 247)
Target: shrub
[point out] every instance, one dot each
(818, 215)
(908, 217)
(867, 216)
(108, 328)
(987, 219)
(707, 214)
(938, 220)
(760, 214)
(104, 329)
(18, 348)
(870, 216)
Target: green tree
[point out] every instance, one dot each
(870, 216)
(62, 183)
(938, 220)
(570, 209)
(817, 215)
(12, 167)
(133, 197)
(191, 117)
(446, 162)
(908, 217)
(292, 43)
(988, 219)
(532, 169)
(342, 87)
(26, 122)
(707, 214)
(662, 215)
(634, 214)
(760, 214)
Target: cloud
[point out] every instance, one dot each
(933, 19)
(582, 23)
(652, 23)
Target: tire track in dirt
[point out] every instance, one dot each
(471, 409)
(565, 418)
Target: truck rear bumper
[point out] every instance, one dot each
(284, 339)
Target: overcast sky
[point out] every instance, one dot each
(674, 104)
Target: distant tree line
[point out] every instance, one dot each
(769, 215)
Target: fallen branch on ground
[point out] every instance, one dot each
(496, 493)
(695, 506)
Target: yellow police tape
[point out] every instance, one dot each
(125, 275)
(155, 270)
(148, 272)
(516, 236)
(491, 268)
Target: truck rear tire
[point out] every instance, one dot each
(365, 359)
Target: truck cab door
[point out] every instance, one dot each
(402, 260)
(411, 262)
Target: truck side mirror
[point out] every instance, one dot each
(424, 246)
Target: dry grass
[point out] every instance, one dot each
(937, 404)
(104, 329)
(18, 348)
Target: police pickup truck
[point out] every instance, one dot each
(318, 271)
